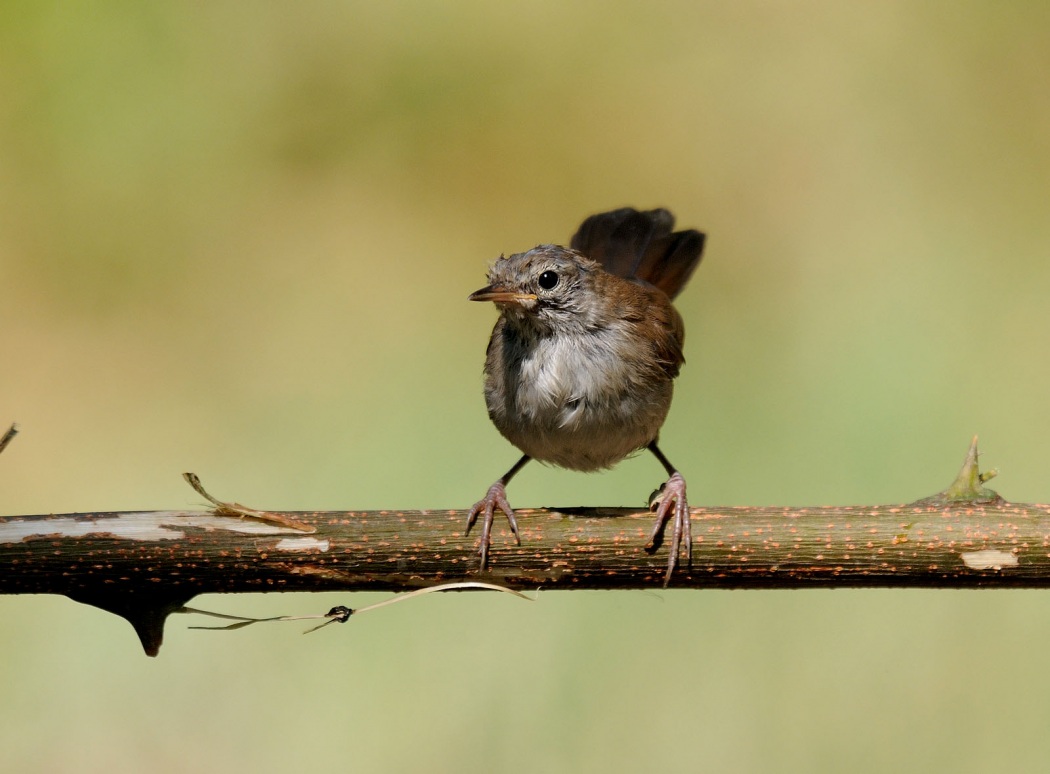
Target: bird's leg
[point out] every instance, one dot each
(486, 507)
(671, 501)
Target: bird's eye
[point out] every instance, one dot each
(548, 280)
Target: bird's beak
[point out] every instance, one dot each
(502, 296)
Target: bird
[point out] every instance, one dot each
(580, 366)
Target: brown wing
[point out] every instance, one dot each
(655, 325)
(640, 245)
(668, 346)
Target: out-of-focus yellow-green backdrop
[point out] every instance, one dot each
(238, 240)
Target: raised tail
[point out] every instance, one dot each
(640, 245)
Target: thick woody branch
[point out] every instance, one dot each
(144, 565)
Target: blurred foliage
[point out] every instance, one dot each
(239, 240)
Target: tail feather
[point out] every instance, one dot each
(641, 245)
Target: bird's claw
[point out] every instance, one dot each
(670, 503)
(486, 507)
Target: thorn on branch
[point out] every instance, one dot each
(145, 612)
(967, 485)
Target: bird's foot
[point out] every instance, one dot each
(486, 508)
(670, 503)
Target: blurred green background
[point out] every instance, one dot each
(238, 240)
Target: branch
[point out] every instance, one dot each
(145, 565)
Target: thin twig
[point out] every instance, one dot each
(12, 431)
(342, 614)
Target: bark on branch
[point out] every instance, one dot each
(145, 565)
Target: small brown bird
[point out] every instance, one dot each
(580, 367)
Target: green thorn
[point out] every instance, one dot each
(967, 485)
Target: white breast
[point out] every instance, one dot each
(578, 402)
